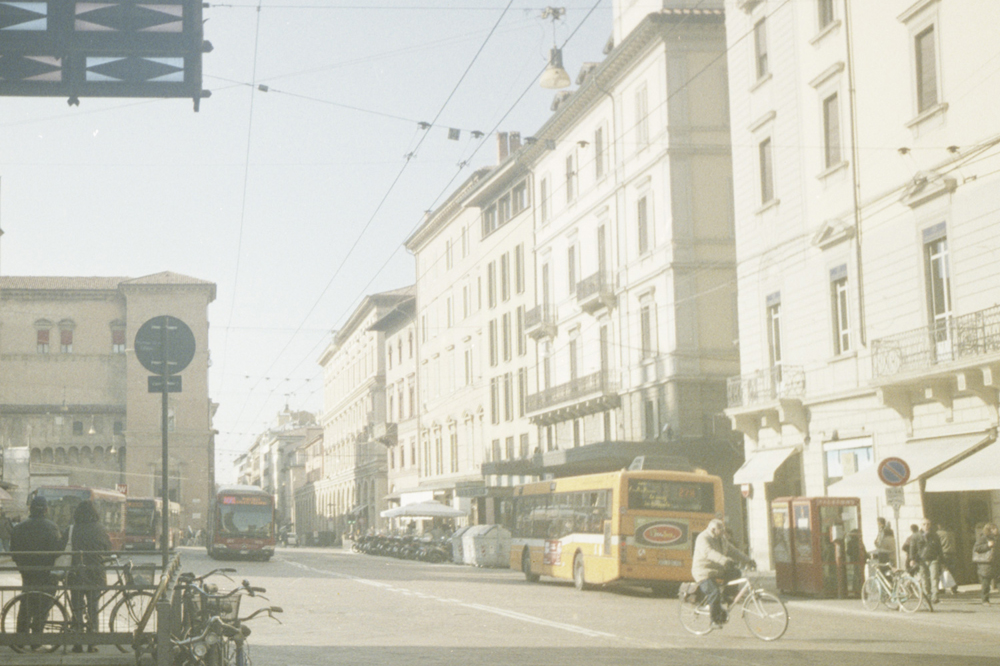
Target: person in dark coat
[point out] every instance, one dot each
(987, 571)
(41, 535)
(925, 555)
(87, 578)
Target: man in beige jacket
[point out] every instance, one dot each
(714, 564)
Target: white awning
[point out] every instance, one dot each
(980, 471)
(925, 457)
(761, 465)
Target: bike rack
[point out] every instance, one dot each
(143, 575)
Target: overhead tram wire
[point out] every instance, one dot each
(385, 197)
(714, 288)
(243, 200)
(463, 164)
(510, 229)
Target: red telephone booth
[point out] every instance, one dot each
(817, 546)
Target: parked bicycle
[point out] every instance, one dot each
(216, 635)
(893, 588)
(764, 614)
(124, 604)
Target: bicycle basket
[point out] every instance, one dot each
(227, 608)
(144, 575)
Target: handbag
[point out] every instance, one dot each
(947, 581)
(985, 557)
(65, 560)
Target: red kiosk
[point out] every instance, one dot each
(817, 546)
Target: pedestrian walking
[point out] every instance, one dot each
(984, 556)
(907, 559)
(35, 543)
(925, 555)
(5, 529)
(949, 558)
(88, 578)
(885, 543)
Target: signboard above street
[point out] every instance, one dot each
(123, 48)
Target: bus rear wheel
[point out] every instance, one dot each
(526, 567)
(579, 573)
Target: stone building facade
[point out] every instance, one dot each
(74, 394)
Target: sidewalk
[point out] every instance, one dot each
(963, 609)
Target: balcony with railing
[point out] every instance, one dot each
(767, 398)
(934, 363)
(589, 394)
(595, 292)
(540, 321)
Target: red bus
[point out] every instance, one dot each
(144, 522)
(242, 524)
(63, 501)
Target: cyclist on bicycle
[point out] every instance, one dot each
(714, 564)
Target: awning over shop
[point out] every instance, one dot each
(761, 465)
(925, 457)
(980, 471)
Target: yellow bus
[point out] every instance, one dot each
(635, 527)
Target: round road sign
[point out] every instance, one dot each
(164, 345)
(894, 471)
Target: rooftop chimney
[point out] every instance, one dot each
(502, 147)
(514, 142)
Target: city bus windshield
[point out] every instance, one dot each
(139, 519)
(238, 517)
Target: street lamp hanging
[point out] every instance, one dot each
(554, 77)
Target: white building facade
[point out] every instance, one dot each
(865, 182)
(353, 492)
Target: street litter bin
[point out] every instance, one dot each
(456, 545)
(486, 546)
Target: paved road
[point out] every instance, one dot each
(345, 608)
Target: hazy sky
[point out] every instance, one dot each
(265, 193)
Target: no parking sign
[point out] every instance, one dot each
(894, 471)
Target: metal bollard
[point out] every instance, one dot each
(164, 612)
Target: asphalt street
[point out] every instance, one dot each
(347, 608)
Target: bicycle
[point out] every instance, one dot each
(221, 638)
(764, 614)
(127, 603)
(895, 588)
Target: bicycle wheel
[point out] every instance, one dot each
(126, 614)
(765, 615)
(55, 621)
(695, 616)
(909, 594)
(871, 594)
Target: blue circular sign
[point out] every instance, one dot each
(894, 471)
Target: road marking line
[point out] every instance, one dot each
(514, 615)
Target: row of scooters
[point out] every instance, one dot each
(405, 547)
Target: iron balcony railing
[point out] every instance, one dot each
(592, 285)
(763, 386)
(601, 382)
(956, 338)
(539, 315)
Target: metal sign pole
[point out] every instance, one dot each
(165, 478)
